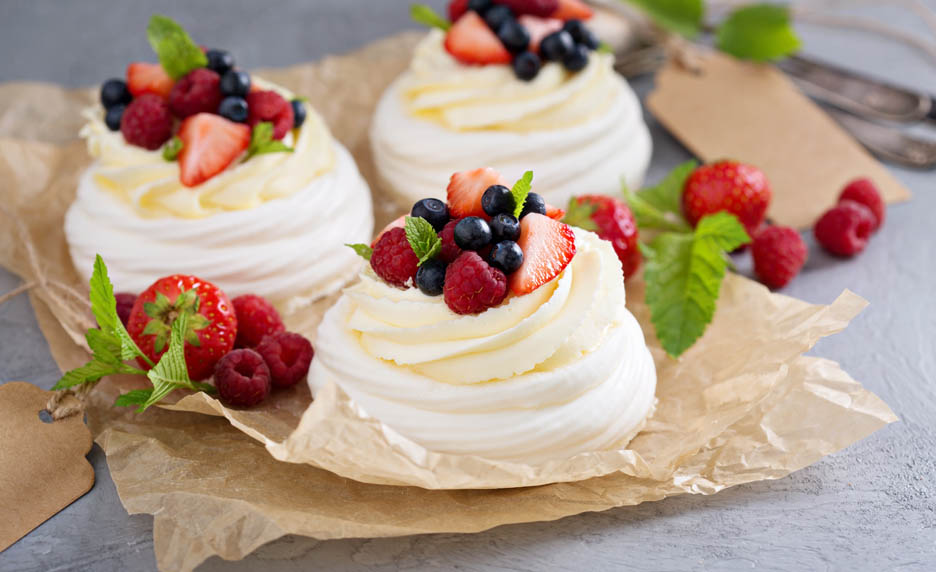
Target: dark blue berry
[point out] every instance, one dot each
(430, 278)
(299, 113)
(581, 34)
(506, 255)
(479, 6)
(504, 227)
(235, 82)
(115, 92)
(113, 116)
(526, 65)
(220, 61)
(434, 211)
(534, 204)
(497, 15)
(497, 199)
(577, 59)
(514, 36)
(472, 233)
(556, 46)
(233, 108)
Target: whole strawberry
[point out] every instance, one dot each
(844, 230)
(729, 186)
(779, 253)
(256, 318)
(212, 324)
(863, 191)
(611, 220)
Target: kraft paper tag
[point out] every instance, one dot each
(755, 114)
(43, 467)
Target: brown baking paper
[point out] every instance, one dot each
(742, 405)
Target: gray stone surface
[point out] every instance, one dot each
(869, 507)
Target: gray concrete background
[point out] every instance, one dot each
(869, 507)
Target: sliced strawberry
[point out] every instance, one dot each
(573, 10)
(398, 223)
(554, 213)
(457, 9)
(466, 188)
(548, 247)
(470, 41)
(209, 144)
(539, 28)
(148, 78)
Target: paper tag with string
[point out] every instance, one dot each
(43, 467)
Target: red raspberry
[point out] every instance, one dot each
(256, 318)
(472, 286)
(288, 356)
(394, 260)
(863, 191)
(270, 106)
(242, 378)
(844, 229)
(147, 122)
(540, 8)
(779, 254)
(450, 250)
(198, 92)
(124, 306)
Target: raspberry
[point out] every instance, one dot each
(450, 250)
(242, 378)
(256, 318)
(147, 122)
(863, 191)
(288, 356)
(197, 92)
(779, 254)
(844, 229)
(472, 286)
(394, 260)
(270, 106)
(124, 306)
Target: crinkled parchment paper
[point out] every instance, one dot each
(743, 405)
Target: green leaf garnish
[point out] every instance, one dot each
(172, 148)
(134, 397)
(660, 207)
(759, 32)
(261, 141)
(604, 48)
(178, 53)
(681, 16)
(422, 238)
(579, 214)
(362, 250)
(425, 15)
(520, 190)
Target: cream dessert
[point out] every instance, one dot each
(555, 107)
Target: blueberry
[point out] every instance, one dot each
(434, 211)
(235, 82)
(430, 278)
(479, 6)
(115, 92)
(577, 59)
(299, 113)
(555, 46)
(233, 108)
(497, 199)
(113, 116)
(514, 36)
(497, 15)
(506, 255)
(472, 233)
(526, 65)
(505, 227)
(220, 61)
(534, 204)
(581, 34)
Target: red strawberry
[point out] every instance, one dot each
(554, 213)
(472, 286)
(209, 144)
(727, 186)
(148, 78)
(270, 106)
(398, 223)
(611, 220)
(572, 10)
(466, 188)
(471, 41)
(212, 324)
(457, 9)
(548, 247)
(539, 28)
(779, 254)
(541, 8)
(863, 191)
(256, 318)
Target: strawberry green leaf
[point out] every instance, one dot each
(758, 32)
(520, 190)
(422, 238)
(425, 15)
(681, 16)
(172, 148)
(178, 53)
(362, 250)
(579, 214)
(262, 142)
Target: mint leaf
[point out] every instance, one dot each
(604, 48)
(171, 372)
(520, 190)
(579, 214)
(171, 148)
(422, 238)
(759, 32)
(660, 207)
(362, 250)
(423, 14)
(134, 397)
(261, 141)
(177, 53)
(89, 372)
(684, 273)
(681, 16)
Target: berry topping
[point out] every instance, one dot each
(212, 324)
(542, 8)
(863, 191)
(148, 78)
(507, 256)
(479, 6)
(288, 356)
(235, 82)
(504, 227)
(739, 189)
(844, 230)
(397, 223)
(113, 116)
(466, 189)
(256, 318)
(548, 246)
(539, 28)
(270, 106)
(147, 122)
(472, 233)
(497, 15)
(573, 10)
(556, 46)
(581, 34)
(242, 378)
(234, 108)
(514, 36)
(197, 92)
(526, 65)
(299, 113)
(497, 199)
(779, 253)
(611, 220)
(125, 302)
(470, 41)
(430, 278)
(219, 61)
(393, 258)
(457, 9)
(209, 144)
(115, 92)
(534, 204)
(554, 213)
(472, 286)
(577, 59)
(450, 250)
(434, 211)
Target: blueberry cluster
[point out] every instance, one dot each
(114, 97)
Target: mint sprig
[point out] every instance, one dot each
(178, 53)
(659, 207)
(758, 32)
(425, 15)
(261, 141)
(362, 250)
(422, 238)
(520, 190)
(172, 148)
